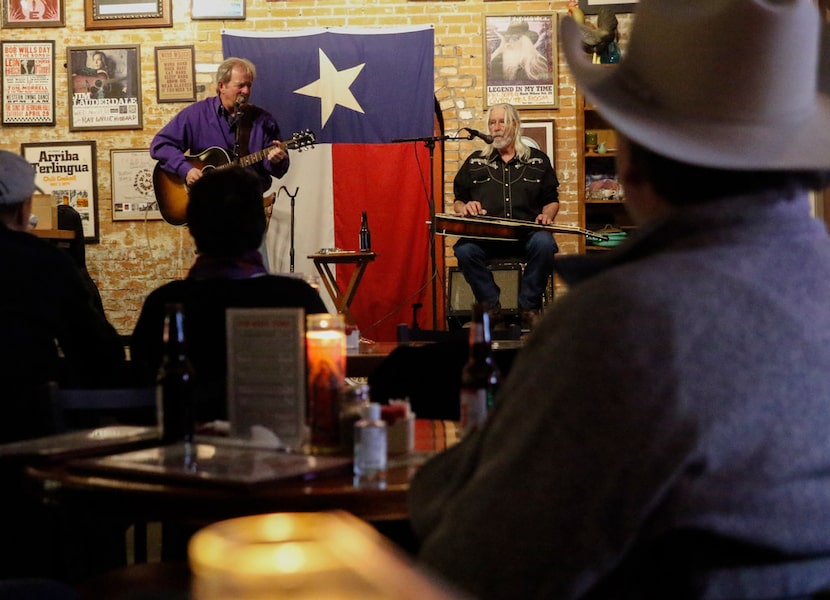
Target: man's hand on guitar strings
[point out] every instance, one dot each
(473, 208)
(193, 175)
(277, 153)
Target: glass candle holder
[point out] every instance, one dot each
(326, 367)
(590, 140)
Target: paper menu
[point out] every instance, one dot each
(266, 373)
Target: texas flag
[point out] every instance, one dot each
(360, 92)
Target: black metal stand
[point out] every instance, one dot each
(234, 123)
(429, 142)
(291, 249)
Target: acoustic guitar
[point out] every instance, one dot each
(172, 191)
(98, 85)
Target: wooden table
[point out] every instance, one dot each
(342, 298)
(79, 484)
(365, 359)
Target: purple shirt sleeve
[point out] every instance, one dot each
(201, 126)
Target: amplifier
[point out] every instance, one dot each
(460, 299)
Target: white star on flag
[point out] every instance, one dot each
(333, 88)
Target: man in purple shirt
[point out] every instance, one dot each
(217, 122)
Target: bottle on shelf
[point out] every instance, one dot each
(480, 376)
(175, 395)
(370, 445)
(365, 234)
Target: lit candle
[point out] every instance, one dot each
(326, 366)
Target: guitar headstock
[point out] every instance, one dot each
(299, 141)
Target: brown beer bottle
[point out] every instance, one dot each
(175, 395)
(480, 376)
(365, 234)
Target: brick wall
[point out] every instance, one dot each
(134, 257)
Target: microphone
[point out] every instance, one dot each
(475, 133)
(240, 101)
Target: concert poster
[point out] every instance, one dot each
(133, 198)
(28, 83)
(67, 171)
(104, 88)
(33, 13)
(520, 60)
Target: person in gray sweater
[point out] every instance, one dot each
(664, 431)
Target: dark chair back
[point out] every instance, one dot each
(70, 220)
(429, 375)
(91, 408)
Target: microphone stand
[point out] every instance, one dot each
(234, 120)
(429, 142)
(291, 249)
(235, 124)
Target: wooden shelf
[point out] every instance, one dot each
(597, 212)
(54, 234)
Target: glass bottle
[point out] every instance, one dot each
(370, 448)
(480, 376)
(175, 395)
(355, 399)
(365, 235)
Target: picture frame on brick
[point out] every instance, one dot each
(127, 14)
(520, 62)
(133, 197)
(67, 170)
(28, 82)
(104, 87)
(592, 7)
(43, 13)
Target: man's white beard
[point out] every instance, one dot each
(511, 62)
(522, 55)
(502, 142)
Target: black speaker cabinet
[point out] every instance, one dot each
(460, 297)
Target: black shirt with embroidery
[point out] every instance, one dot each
(518, 189)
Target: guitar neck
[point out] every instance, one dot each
(247, 161)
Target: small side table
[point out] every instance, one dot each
(342, 299)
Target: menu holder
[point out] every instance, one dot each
(212, 464)
(266, 374)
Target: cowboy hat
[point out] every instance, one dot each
(733, 84)
(520, 28)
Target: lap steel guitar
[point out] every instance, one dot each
(499, 228)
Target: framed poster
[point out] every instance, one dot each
(540, 134)
(175, 74)
(33, 13)
(133, 197)
(67, 171)
(125, 14)
(520, 60)
(28, 81)
(104, 87)
(591, 7)
(217, 9)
